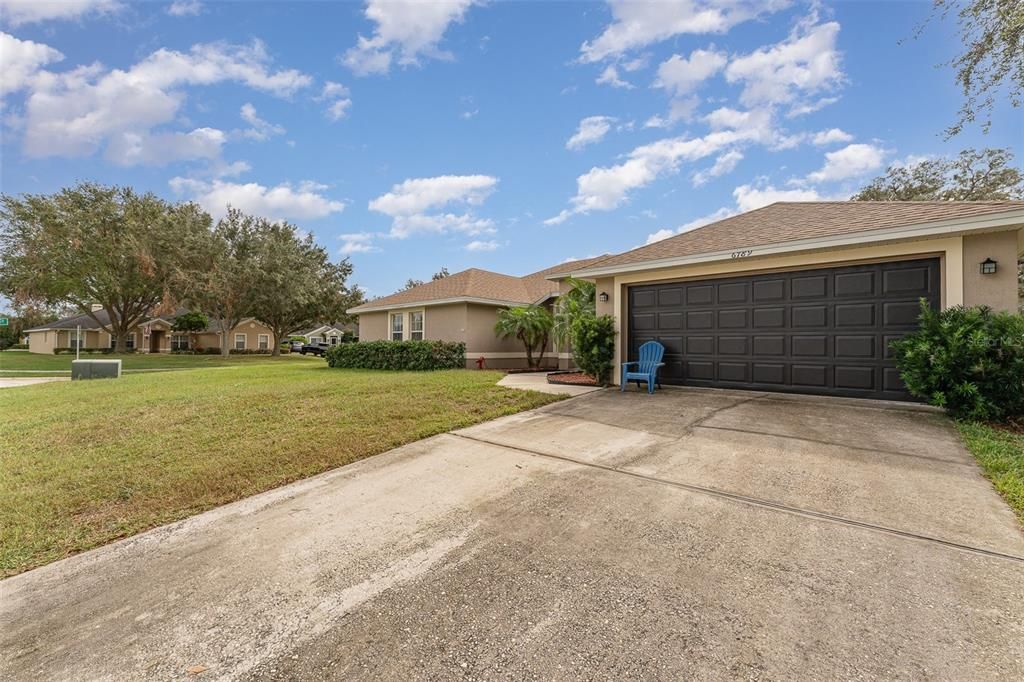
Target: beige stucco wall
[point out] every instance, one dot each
(442, 322)
(373, 326)
(42, 342)
(998, 291)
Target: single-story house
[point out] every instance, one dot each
(328, 333)
(152, 335)
(464, 307)
(806, 297)
(795, 297)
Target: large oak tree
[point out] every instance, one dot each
(223, 280)
(92, 244)
(297, 285)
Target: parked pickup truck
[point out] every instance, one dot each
(315, 348)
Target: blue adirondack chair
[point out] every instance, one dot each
(647, 367)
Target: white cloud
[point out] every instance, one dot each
(681, 75)
(720, 214)
(679, 110)
(77, 112)
(610, 76)
(337, 97)
(749, 197)
(411, 205)
(357, 242)
(18, 12)
(185, 8)
(478, 245)
(850, 161)
(831, 136)
(22, 60)
(281, 202)
(260, 130)
(638, 24)
(725, 163)
(809, 107)
(807, 62)
(406, 30)
(591, 129)
(157, 149)
(603, 189)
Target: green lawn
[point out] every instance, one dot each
(85, 463)
(1000, 453)
(24, 364)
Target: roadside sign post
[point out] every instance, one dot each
(4, 322)
(78, 343)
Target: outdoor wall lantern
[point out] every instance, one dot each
(988, 267)
(603, 296)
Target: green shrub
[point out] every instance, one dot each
(968, 360)
(398, 355)
(70, 350)
(593, 345)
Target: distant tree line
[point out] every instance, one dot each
(138, 255)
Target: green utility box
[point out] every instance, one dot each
(95, 369)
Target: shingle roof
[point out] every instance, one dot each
(792, 221)
(481, 284)
(74, 321)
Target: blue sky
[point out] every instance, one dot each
(503, 135)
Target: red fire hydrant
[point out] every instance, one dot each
(480, 362)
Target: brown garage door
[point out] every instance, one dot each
(823, 331)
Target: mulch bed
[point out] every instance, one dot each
(1013, 425)
(571, 378)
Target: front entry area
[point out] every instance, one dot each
(156, 341)
(820, 331)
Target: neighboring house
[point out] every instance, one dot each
(153, 335)
(806, 297)
(328, 333)
(464, 307)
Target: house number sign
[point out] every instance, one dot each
(741, 254)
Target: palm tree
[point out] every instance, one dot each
(530, 324)
(579, 301)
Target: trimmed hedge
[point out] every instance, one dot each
(70, 350)
(968, 360)
(398, 355)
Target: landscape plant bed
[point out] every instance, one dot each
(571, 379)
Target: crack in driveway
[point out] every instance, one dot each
(753, 501)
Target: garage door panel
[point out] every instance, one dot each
(769, 290)
(809, 287)
(855, 315)
(855, 284)
(810, 346)
(824, 331)
(700, 345)
(700, 295)
(734, 371)
(901, 314)
(732, 319)
(700, 319)
(733, 293)
(810, 316)
(769, 345)
(769, 318)
(732, 345)
(809, 376)
(700, 370)
(670, 320)
(855, 346)
(912, 280)
(768, 373)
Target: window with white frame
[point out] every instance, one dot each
(416, 325)
(129, 342)
(239, 341)
(334, 340)
(263, 341)
(179, 342)
(397, 320)
(76, 339)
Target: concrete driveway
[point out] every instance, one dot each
(692, 533)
